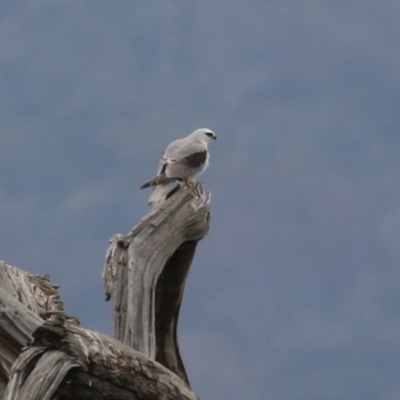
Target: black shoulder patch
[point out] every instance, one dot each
(195, 160)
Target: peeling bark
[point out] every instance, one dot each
(46, 355)
(145, 273)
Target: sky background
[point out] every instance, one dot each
(294, 293)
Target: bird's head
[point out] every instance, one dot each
(205, 135)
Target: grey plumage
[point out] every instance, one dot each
(183, 160)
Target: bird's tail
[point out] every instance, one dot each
(162, 192)
(158, 180)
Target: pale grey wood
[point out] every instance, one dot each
(16, 326)
(68, 360)
(139, 270)
(63, 359)
(38, 373)
(23, 299)
(33, 291)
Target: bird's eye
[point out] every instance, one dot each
(209, 134)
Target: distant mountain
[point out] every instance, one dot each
(294, 292)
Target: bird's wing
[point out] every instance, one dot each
(184, 158)
(171, 149)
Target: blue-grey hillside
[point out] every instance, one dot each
(294, 293)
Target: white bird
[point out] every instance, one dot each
(183, 160)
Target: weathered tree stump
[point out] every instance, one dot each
(145, 274)
(47, 355)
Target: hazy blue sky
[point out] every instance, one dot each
(294, 294)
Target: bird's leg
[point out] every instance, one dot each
(188, 183)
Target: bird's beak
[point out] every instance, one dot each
(215, 138)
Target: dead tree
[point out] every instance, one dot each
(45, 354)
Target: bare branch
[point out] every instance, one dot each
(145, 272)
(46, 355)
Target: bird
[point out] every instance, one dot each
(183, 160)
